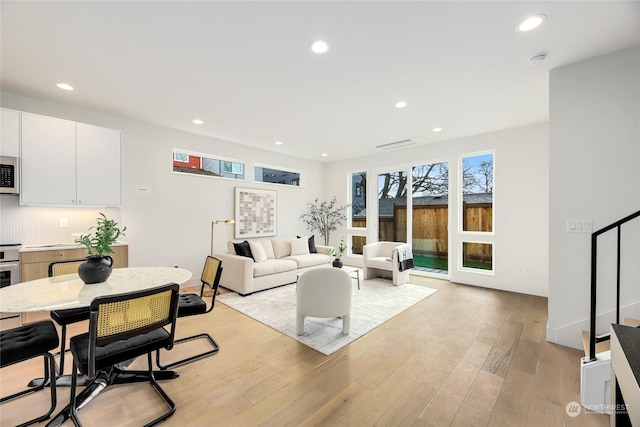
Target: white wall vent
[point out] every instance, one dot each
(398, 144)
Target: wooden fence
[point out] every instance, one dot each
(430, 229)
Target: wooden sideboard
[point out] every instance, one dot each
(34, 264)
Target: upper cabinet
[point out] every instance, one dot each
(9, 133)
(68, 163)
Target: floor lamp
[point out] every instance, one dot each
(213, 224)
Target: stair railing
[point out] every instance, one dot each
(594, 258)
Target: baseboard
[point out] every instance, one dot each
(571, 334)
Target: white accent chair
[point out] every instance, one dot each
(377, 258)
(324, 292)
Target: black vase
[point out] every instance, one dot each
(337, 263)
(95, 269)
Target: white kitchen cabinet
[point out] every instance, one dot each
(68, 163)
(98, 165)
(10, 133)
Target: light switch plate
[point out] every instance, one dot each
(579, 226)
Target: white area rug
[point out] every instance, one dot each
(376, 302)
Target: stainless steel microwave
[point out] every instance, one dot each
(9, 175)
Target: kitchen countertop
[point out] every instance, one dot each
(58, 246)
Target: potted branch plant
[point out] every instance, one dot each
(98, 266)
(324, 217)
(337, 254)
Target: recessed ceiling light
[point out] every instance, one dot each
(278, 142)
(319, 46)
(438, 129)
(401, 104)
(531, 22)
(197, 121)
(64, 86)
(324, 154)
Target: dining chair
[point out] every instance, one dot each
(192, 304)
(121, 328)
(69, 316)
(27, 342)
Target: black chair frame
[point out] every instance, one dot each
(104, 353)
(66, 317)
(25, 336)
(192, 305)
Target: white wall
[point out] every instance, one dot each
(521, 159)
(594, 174)
(171, 225)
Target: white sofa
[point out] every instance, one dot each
(274, 264)
(379, 260)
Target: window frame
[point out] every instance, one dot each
(460, 209)
(208, 156)
(281, 169)
(462, 268)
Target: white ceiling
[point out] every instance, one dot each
(246, 70)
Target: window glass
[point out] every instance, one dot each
(359, 200)
(392, 206)
(357, 242)
(477, 256)
(477, 193)
(430, 212)
(277, 176)
(207, 164)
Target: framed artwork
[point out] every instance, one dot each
(255, 213)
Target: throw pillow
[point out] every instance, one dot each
(281, 247)
(243, 249)
(299, 247)
(312, 244)
(258, 252)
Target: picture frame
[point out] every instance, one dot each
(256, 213)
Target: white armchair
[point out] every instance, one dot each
(378, 258)
(324, 292)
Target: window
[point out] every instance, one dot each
(392, 206)
(477, 256)
(357, 242)
(477, 193)
(358, 201)
(275, 175)
(476, 213)
(207, 165)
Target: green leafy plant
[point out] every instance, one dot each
(324, 217)
(342, 247)
(106, 234)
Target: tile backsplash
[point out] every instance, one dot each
(34, 225)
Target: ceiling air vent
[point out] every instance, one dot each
(398, 144)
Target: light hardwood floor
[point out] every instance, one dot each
(465, 356)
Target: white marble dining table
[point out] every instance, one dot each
(69, 291)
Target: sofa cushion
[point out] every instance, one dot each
(273, 266)
(309, 260)
(300, 246)
(380, 262)
(258, 252)
(243, 249)
(281, 247)
(268, 247)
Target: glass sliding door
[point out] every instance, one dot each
(430, 209)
